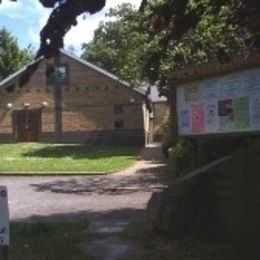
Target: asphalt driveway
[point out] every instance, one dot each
(104, 200)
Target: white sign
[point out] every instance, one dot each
(224, 104)
(4, 217)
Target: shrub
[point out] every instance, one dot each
(168, 141)
(209, 148)
(180, 157)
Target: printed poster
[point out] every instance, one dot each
(191, 93)
(241, 113)
(226, 114)
(197, 118)
(255, 112)
(185, 118)
(210, 90)
(211, 114)
(231, 88)
(252, 83)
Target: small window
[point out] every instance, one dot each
(119, 124)
(57, 74)
(118, 109)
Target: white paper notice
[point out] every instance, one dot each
(4, 217)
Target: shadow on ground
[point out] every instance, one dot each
(114, 185)
(104, 218)
(103, 241)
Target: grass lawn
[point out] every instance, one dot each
(43, 241)
(31, 158)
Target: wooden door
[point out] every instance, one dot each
(27, 125)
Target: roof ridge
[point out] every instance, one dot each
(80, 60)
(102, 71)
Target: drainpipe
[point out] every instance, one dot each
(58, 104)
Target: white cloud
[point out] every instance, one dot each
(84, 31)
(118, 2)
(39, 16)
(28, 12)
(11, 9)
(35, 16)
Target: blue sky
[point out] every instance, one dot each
(25, 18)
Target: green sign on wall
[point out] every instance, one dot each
(57, 74)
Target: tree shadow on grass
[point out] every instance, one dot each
(81, 152)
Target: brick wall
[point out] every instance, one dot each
(160, 111)
(87, 102)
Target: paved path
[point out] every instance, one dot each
(107, 201)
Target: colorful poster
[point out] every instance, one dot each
(191, 92)
(210, 90)
(255, 112)
(198, 118)
(211, 114)
(185, 118)
(226, 114)
(241, 113)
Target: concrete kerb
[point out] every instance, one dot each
(55, 174)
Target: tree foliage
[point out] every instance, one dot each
(167, 34)
(191, 32)
(116, 43)
(12, 57)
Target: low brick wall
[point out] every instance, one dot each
(7, 138)
(135, 137)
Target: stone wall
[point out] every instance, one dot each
(220, 200)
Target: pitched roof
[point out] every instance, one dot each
(13, 75)
(85, 63)
(102, 71)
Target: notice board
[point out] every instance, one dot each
(220, 105)
(4, 217)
